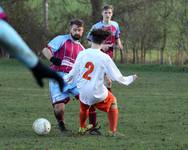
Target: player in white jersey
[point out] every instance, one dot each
(88, 72)
(109, 44)
(14, 44)
(62, 52)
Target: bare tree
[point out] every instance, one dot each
(45, 3)
(164, 13)
(96, 9)
(182, 35)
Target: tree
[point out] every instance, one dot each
(182, 32)
(45, 3)
(164, 9)
(96, 9)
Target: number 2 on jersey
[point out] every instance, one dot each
(90, 67)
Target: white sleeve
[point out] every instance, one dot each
(114, 74)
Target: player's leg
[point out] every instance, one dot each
(109, 105)
(92, 110)
(92, 120)
(92, 116)
(113, 116)
(59, 100)
(59, 110)
(84, 111)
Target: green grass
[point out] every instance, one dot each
(152, 112)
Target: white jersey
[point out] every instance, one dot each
(88, 72)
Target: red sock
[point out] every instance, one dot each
(113, 119)
(84, 110)
(92, 116)
(83, 118)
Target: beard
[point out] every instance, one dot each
(76, 37)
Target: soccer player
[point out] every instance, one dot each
(88, 72)
(62, 52)
(109, 43)
(113, 27)
(13, 43)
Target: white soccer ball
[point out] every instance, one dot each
(41, 126)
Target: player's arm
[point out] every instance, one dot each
(119, 44)
(108, 80)
(41, 71)
(48, 54)
(13, 43)
(113, 72)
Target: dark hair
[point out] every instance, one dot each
(99, 35)
(78, 22)
(106, 7)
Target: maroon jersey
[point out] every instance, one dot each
(113, 27)
(65, 48)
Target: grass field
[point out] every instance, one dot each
(153, 112)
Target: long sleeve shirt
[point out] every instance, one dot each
(88, 73)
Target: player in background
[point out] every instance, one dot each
(112, 26)
(109, 43)
(62, 52)
(13, 43)
(88, 72)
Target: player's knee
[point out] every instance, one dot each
(92, 109)
(77, 97)
(58, 108)
(114, 104)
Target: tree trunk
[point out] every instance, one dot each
(46, 26)
(122, 57)
(142, 50)
(137, 56)
(163, 45)
(150, 56)
(96, 9)
(134, 55)
(145, 55)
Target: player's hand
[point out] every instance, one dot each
(41, 71)
(109, 82)
(135, 77)
(56, 61)
(105, 47)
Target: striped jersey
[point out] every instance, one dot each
(113, 27)
(65, 48)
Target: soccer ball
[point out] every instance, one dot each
(41, 126)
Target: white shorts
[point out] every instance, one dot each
(57, 95)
